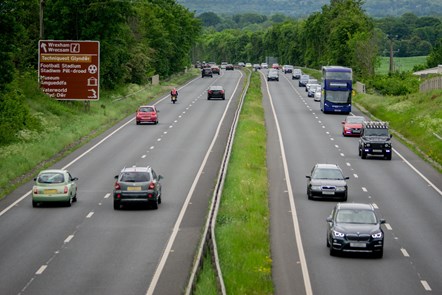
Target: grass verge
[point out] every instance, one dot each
(416, 117)
(242, 230)
(67, 126)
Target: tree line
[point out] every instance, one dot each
(137, 40)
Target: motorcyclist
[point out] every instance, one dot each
(173, 94)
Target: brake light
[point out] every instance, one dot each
(222, 91)
(66, 189)
(151, 185)
(210, 91)
(35, 191)
(117, 186)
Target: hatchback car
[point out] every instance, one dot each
(137, 185)
(216, 92)
(54, 185)
(264, 65)
(310, 82)
(273, 75)
(229, 67)
(318, 94)
(215, 69)
(287, 69)
(327, 181)
(352, 126)
(312, 89)
(303, 80)
(146, 114)
(354, 227)
(206, 72)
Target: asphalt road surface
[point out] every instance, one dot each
(406, 192)
(91, 249)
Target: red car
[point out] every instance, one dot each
(352, 126)
(147, 114)
(215, 69)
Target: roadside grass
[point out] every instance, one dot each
(242, 230)
(401, 64)
(67, 126)
(417, 117)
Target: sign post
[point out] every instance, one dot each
(69, 70)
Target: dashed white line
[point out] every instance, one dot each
(426, 285)
(355, 175)
(336, 146)
(327, 132)
(158, 139)
(388, 226)
(90, 215)
(143, 156)
(375, 206)
(171, 126)
(364, 189)
(348, 164)
(342, 154)
(175, 121)
(68, 239)
(41, 269)
(332, 139)
(107, 195)
(404, 252)
(152, 147)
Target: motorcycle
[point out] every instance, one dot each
(173, 98)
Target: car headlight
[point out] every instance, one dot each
(341, 188)
(367, 145)
(377, 235)
(337, 234)
(387, 145)
(316, 187)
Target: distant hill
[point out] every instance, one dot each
(303, 8)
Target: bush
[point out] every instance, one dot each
(395, 84)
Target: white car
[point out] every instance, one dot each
(264, 65)
(310, 82)
(318, 94)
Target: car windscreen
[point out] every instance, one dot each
(146, 110)
(355, 119)
(135, 177)
(375, 132)
(338, 96)
(356, 216)
(325, 173)
(51, 177)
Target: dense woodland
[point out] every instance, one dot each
(145, 37)
(303, 8)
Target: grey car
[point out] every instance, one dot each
(327, 181)
(303, 80)
(137, 185)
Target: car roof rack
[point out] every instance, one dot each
(376, 124)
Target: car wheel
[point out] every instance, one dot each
(138, 123)
(68, 203)
(344, 198)
(327, 244)
(34, 204)
(154, 204)
(156, 122)
(388, 157)
(333, 252)
(379, 254)
(116, 205)
(159, 199)
(224, 97)
(363, 155)
(74, 199)
(208, 98)
(309, 195)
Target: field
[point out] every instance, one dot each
(401, 64)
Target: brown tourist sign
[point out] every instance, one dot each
(69, 70)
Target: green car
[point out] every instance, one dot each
(54, 185)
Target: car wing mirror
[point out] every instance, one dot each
(116, 176)
(74, 178)
(391, 135)
(382, 221)
(347, 177)
(329, 219)
(160, 177)
(308, 176)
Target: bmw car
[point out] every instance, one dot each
(327, 181)
(355, 228)
(54, 185)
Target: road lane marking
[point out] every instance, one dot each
(143, 156)
(355, 175)
(364, 189)
(41, 269)
(388, 226)
(426, 285)
(107, 195)
(90, 215)
(68, 239)
(404, 252)
(342, 154)
(375, 206)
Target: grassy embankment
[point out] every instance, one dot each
(67, 126)
(243, 221)
(401, 64)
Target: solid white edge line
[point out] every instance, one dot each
(418, 173)
(89, 150)
(176, 227)
(305, 273)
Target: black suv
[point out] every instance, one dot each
(137, 185)
(206, 72)
(375, 140)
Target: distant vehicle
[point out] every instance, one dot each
(146, 114)
(215, 69)
(337, 89)
(54, 185)
(375, 140)
(296, 74)
(248, 65)
(275, 66)
(327, 181)
(229, 67)
(206, 72)
(241, 64)
(352, 126)
(318, 94)
(223, 65)
(310, 81)
(312, 89)
(137, 185)
(273, 75)
(257, 66)
(287, 69)
(264, 65)
(303, 80)
(353, 228)
(216, 92)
